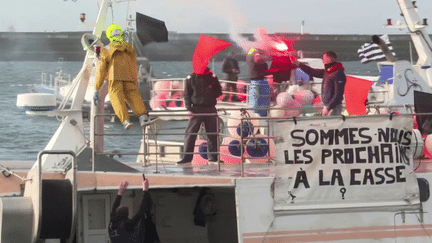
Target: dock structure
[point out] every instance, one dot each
(50, 46)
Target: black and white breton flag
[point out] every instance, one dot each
(371, 52)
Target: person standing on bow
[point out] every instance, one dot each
(231, 69)
(140, 228)
(201, 89)
(200, 93)
(333, 82)
(118, 65)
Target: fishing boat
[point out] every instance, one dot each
(298, 179)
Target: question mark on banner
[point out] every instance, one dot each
(343, 190)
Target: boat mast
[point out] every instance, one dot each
(420, 38)
(73, 122)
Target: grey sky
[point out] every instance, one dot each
(217, 16)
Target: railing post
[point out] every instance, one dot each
(217, 140)
(242, 149)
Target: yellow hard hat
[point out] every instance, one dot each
(114, 33)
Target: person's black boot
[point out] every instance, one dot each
(183, 161)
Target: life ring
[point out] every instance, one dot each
(238, 129)
(230, 151)
(259, 149)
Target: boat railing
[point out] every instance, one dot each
(59, 80)
(45, 81)
(62, 79)
(156, 150)
(169, 92)
(162, 145)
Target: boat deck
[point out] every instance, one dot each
(210, 170)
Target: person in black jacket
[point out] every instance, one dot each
(139, 228)
(200, 93)
(231, 69)
(333, 82)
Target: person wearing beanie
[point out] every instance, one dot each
(118, 65)
(333, 82)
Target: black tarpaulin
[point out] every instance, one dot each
(423, 104)
(149, 29)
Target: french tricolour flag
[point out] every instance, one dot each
(371, 52)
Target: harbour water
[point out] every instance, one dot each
(22, 136)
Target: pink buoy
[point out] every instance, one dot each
(284, 99)
(160, 100)
(177, 85)
(200, 152)
(223, 85)
(162, 86)
(428, 143)
(230, 151)
(259, 149)
(242, 88)
(426, 153)
(304, 97)
(176, 100)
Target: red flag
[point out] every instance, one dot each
(356, 93)
(206, 48)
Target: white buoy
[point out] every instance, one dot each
(35, 102)
(417, 144)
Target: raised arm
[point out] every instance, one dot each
(116, 204)
(319, 73)
(132, 223)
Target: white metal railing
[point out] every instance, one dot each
(165, 91)
(61, 79)
(156, 151)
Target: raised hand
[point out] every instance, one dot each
(123, 186)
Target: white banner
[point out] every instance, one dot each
(356, 163)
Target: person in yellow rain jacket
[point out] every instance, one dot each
(118, 65)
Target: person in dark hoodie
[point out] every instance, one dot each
(140, 227)
(231, 69)
(333, 82)
(200, 93)
(118, 65)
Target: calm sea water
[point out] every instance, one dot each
(22, 136)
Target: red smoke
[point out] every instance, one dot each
(273, 45)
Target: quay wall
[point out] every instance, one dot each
(50, 46)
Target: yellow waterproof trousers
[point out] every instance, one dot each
(121, 92)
